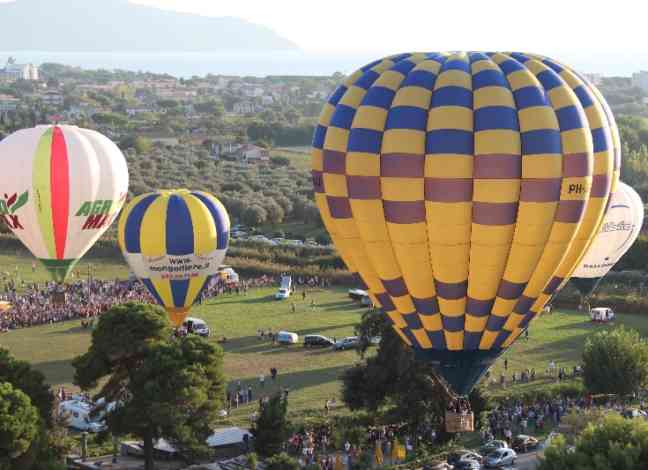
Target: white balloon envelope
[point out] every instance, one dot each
(61, 187)
(621, 226)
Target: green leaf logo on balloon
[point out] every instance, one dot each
(8, 208)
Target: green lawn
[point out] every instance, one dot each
(299, 157)
(311, 375)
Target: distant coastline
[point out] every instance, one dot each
(188, 64)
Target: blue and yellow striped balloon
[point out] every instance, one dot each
(174, 241)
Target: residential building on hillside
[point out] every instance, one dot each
(13, 71)
(243, 107)
(52, 98)
(8, 103)
(252, 153)
(640, 80)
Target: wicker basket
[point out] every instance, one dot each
(459, 422)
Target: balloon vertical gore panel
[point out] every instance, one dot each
(463, 188)
(61, 187)
(174, 242)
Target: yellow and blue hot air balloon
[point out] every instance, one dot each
(464, 188)
(174, 241)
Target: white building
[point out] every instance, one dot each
(14, 71)
(252, 153)
(52, 98)
(244, 107)
(8, 103)
(640, 80)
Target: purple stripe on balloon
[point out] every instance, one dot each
(318, 181)
(402, 165)
(358, 279)
(540, 190)
(451, 290)
(448, 189)
(428, 306)
(478, 308)
(437, 338)
(471, 340)
(385, 302)
(570, 211)
(404, 212)
(363, 187)
(524, 304)
(453, 323)
(395, 287)
(510, 290)
(526, 320)
(497, 166)
(553, 285)
(501, 337)
(577, 165)
(413, 321)
(495, 323)
(601, 185)
(340, 207)
(494, 213)
(334, 162)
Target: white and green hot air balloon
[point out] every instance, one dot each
(620, 229)
(61, 187)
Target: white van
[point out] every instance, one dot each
(602, 314)
(285, 289)
(286, 337)
(78, 416)
(196, 326)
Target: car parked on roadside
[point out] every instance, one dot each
(467, 465)
(462, 456)
(523, 443)
(350, 342)
(500, 458)
(314, 341)
(492, 445)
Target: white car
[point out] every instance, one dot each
(282, 294)
(500, 458)
(196, 326)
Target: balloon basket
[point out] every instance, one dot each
(459, 422)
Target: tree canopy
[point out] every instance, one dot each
(19, 424)
(614, 443)
(615, 361)
(272, 427)
(162, 387)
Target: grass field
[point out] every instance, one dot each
(299, 157)
(311, 375)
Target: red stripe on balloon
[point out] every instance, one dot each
(60, 187)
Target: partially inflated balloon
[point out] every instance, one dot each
(621, 226)
(60, 189)
(174, 241)
(463, 188)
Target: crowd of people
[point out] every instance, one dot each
(37, 304)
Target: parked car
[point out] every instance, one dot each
(286, 337)
(463, 455)
(490, 446)
(357, 294)
(312, 341)
(500, 458)
(467, 465)
(350, 342)
(196, 326)
(522, 443)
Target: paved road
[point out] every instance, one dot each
(526, 461)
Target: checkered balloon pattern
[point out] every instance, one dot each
(463, 188)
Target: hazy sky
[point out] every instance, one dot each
(574, 25)
(598, 36)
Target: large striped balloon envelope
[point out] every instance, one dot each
(174, 241)
(61, 187)
(463, 188)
